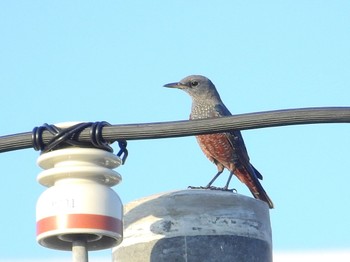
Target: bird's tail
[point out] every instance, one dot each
(251, 179)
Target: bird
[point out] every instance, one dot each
(226, 149)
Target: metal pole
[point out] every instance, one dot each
(79, 250)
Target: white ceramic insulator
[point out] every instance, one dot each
(79, 201)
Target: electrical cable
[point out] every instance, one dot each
(101, 135)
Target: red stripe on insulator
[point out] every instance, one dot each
(70, 221)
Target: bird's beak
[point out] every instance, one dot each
(174, 85)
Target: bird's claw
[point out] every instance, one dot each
(233, 190)
(197, 187)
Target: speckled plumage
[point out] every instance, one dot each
(225, 150)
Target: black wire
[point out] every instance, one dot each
(96, 135)
(123, 152)
(63, 137)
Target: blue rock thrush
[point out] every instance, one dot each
(225, 150)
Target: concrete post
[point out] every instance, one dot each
(195, 225)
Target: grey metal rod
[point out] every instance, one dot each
(79, 250)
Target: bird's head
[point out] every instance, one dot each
(197, 86)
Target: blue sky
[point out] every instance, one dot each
(91, 61)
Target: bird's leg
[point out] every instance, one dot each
(214, 178)
(228, 182)
(220, 170)
(209, 186)
(225, 188)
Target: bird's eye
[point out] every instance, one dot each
(194, 83)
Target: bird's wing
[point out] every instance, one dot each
(244, 170)
(236, 141)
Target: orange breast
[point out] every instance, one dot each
(217, 146)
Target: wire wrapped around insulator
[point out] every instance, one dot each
(123, 152)
(96, 136)
(61, 136)
(69, 137)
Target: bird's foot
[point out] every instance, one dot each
(233, 190)
(197, 187)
